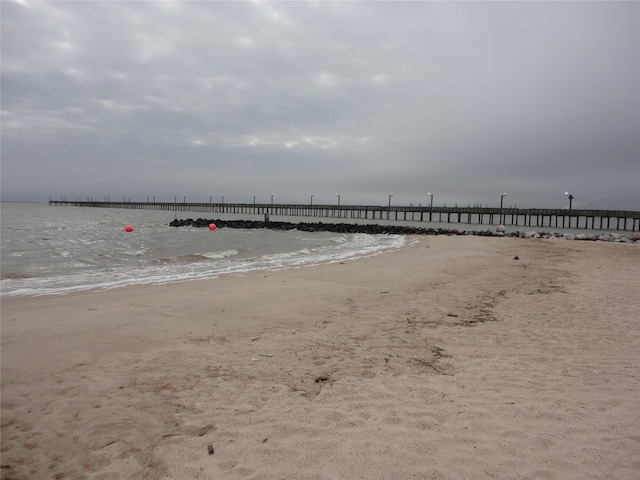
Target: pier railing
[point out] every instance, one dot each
(531, 217)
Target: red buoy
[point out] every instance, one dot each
(128, 228)
(212, 226)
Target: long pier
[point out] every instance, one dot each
(531, 217)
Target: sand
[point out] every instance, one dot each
(448, 359)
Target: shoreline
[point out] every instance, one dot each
(448, 358)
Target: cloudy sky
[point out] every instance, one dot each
(466, 100)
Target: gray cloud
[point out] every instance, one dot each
(466, 100)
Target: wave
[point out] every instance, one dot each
(195, 257)
(15, 276)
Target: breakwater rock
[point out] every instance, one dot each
(319, 227)
(395, 229)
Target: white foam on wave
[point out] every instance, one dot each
(277, 257)
(218, 255)
(134, 253)
(361, 245)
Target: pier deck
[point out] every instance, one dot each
(552, 218)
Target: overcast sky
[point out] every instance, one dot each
(466, 100)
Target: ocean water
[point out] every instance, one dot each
(48, 250)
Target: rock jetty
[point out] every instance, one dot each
(374, 229)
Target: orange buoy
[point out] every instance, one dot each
(128, 228)
(212, 226)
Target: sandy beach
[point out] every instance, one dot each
(452, 358)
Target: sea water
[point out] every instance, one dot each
(56, 250)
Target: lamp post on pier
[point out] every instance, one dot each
(312, 199)
(389, 208)
(570, 197)
(501, 201)
(272, 199)
(254, 199)
(430, 204)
